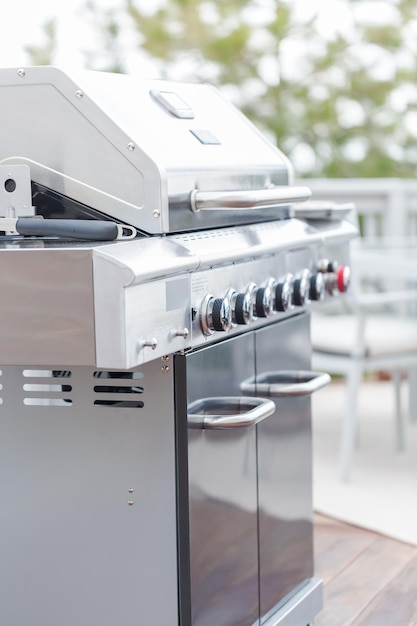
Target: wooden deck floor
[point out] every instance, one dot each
(369, 579)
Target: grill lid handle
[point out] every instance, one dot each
(246, 199)
(90, 230)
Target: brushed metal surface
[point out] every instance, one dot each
(138, 298)
(223, 495)
(265, 469)
(88, 515)
(301, 608)
(248, 199)
(15, 191)
(284, 469)
(286, 383)
(228, 412)
(124, 154)
(85, 304)
(96, 167)
(47, 306)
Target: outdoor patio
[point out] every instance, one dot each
(365, 528)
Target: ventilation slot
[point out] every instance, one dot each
(47, 388)
(119, 389)
(226, 232)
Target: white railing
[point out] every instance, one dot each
(387, 207)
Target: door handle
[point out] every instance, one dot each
(228, 412)
(286, 383)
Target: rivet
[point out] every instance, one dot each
(165, 369)
(151, 343)
(165, 358)
(130, 502)
(156, 213)
(21, 72)
(183, 332)
(130, 490)
(131, 146)
(79, 93)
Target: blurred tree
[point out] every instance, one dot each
(335, 91)
(43, 54)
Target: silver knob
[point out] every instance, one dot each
(215, 314)
(330, 283)
(264, 299)
(250, 292)
(150, 343)
(182, 332)
(301, 288)
(325, 266)
(283, 291)
(317, 287)
(242, 308)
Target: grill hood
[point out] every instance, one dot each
(163, 157)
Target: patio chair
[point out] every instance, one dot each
(372, 331)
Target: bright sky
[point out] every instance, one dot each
(21, 25)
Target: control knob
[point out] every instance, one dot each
(264, 299)
(317, 287)
(242, 307)
(337, 278)
(325, 266)
(283, 293)
(215, 314)
(343, 278)
(301, 289)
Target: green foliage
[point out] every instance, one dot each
(43, 54)
(339, 99)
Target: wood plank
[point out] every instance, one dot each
(336, 545)
(396, 603)
(367, 572)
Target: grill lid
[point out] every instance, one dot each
(160, 156)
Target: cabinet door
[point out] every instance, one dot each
(222, 493)
(284, 467)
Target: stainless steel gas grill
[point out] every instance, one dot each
(156, 269)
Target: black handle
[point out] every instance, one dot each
(92, 230)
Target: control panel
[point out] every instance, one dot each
(219, 284)
(226, 299)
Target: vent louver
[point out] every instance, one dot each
(118, 389)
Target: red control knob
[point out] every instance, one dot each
(343, 278)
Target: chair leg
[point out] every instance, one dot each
(349, 427)
(412, 393)
(399, 417)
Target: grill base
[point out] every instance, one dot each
(75, 450)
